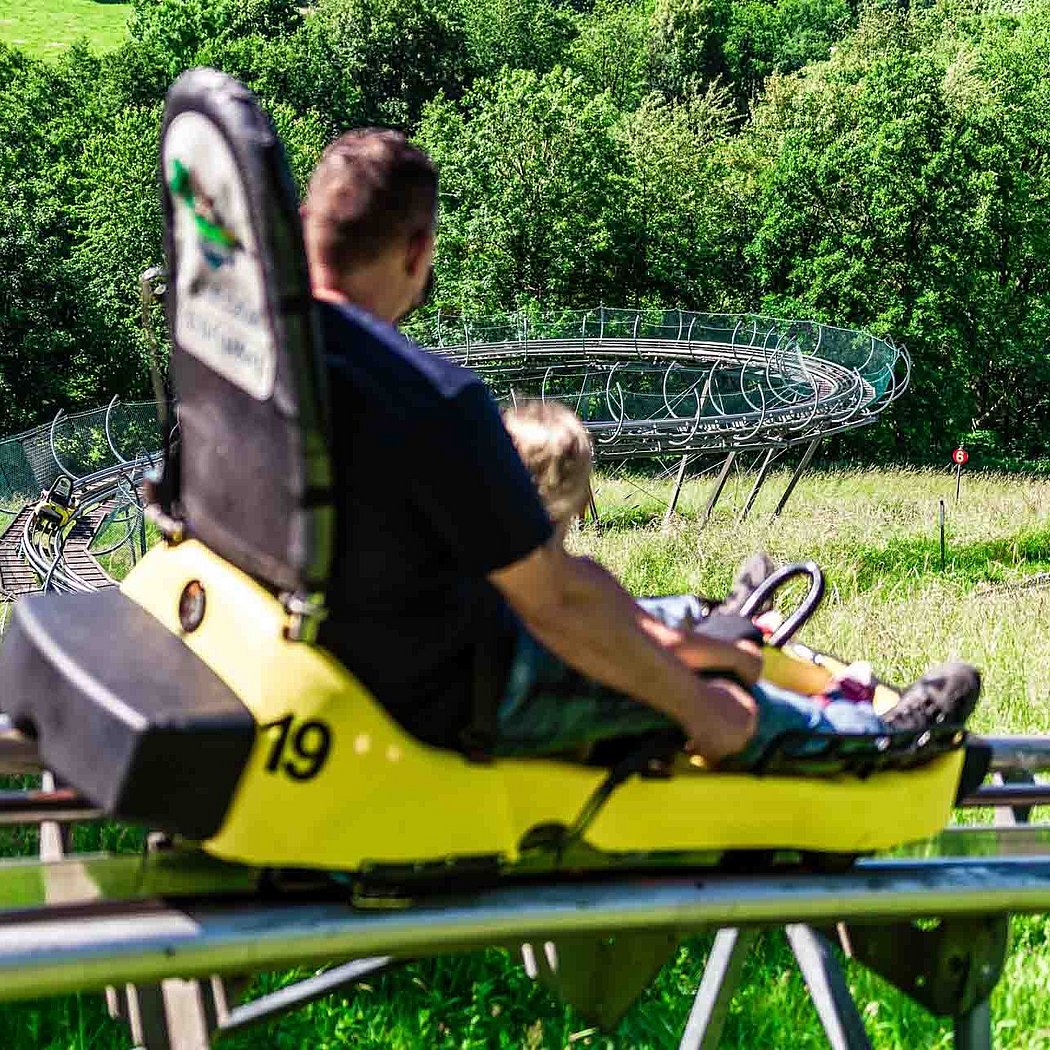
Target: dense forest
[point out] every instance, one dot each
(868, 164)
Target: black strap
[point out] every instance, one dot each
(728, 627)
(491, 659)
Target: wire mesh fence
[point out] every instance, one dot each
(78, 444)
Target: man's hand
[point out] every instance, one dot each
(577, 610)
(723, 722)
(742, 660)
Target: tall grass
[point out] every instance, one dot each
(888, 600)
(45, 28)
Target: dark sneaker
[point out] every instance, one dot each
(751, 573)
(945, 696)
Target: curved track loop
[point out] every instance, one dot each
(651, 383)
(647, 383)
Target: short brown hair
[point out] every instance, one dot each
(556, 449)
(370, 189)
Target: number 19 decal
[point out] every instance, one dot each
(300, 753)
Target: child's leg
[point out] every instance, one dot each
(683, 612)
(548, 707)
(781, 711)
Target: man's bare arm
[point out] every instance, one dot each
(578, 611)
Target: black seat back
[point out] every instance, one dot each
(61, 491)
(253, 478)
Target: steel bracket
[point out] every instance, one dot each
(600, 976)
(949, 965)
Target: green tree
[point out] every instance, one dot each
(530, 183)
(687, 46)
(681, 242)
(779, 36)
(387, 58)
(50, 332)
(901, 186)
(518, 34)
(611, 50)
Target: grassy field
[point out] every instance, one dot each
(47, 27)
(875, 534)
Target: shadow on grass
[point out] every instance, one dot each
(905, 562)
(918, 559)
(624, 518)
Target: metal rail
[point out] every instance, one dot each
(64, 949)
(749, 382)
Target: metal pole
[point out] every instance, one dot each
(293, 996)
(940, 514)
(31, 807)
(54, 836)
(722, 973)
(1020, 791)
(828, 989)
(1015, 781)
(973, 1030)
(958, 480)
(677, 491)
(763, 471)
(720, 483)
(799, 471)
(88, 946)
(591, 505)
(1031, 753)
(148, 291)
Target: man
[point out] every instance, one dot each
(446, 560)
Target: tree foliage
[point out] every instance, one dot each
(871, 165)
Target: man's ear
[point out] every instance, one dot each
(419, 252)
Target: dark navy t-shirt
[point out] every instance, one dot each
(430, 497)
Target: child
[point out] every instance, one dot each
(542, 712)
(556, 449)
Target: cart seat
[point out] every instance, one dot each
(121, 708)
(60, 494)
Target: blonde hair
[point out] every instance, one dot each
(556, 449)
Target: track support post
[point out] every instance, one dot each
(819, 967)
(803, 464)
(763, 473)
(720, 484)
(722, 975)
(828, 989)
(949, 966)
(678, 481)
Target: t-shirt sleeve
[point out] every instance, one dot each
(474, 490)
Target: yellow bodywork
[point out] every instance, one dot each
(798, 668)
(382, 797)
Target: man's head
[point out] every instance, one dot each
(556, 449)
(368, 222)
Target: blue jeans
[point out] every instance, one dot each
(548, 707)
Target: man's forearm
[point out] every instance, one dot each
(599, 629)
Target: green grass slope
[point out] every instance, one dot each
(888, 600)
(47, 27)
